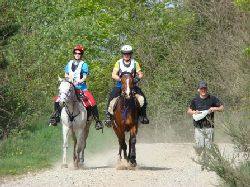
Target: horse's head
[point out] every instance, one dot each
(66, 90)
(127, 84)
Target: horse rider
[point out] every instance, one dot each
(127, 64)
(76, 70)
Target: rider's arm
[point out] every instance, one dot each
(83, 79)
(139, 73)
(67, 77)
(115, 75)
(84, 71)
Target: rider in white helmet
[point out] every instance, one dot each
(127, 64)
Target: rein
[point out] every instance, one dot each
(70, 114)
(125, 112)
(131, 105)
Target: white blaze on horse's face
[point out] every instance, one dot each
(127, 91)
(64, 91)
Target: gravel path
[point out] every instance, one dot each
(159, 164)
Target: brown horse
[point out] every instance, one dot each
(125, 119)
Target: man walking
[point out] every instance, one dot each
(202, 108)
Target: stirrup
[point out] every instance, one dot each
(145, 120)
(52, 121)
(108, 120)
(108, 123)
(98, 125)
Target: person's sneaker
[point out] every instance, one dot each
(108, 120)
(98, 125)
(145, 120)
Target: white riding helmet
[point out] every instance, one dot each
(126, 49)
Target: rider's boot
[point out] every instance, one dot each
(98, 124)
(108, 119)
(55, 117)
(144, 119)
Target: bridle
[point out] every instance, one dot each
(67, 96)
(128, 95)
(128, 90)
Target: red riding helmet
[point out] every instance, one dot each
(79, 47)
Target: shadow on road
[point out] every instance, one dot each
(152, 168)
(96, 167)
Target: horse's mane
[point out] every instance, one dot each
(125, 73)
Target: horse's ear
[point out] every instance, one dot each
(59, 79)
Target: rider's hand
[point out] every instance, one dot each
(136, 80)
(76, 83)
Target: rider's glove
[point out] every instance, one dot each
(136, 80)
(76, 83)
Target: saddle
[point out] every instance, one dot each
(85, 102)
(83, 98)
(113, 103)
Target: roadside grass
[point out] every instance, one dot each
(29, 150)
(234, 171)
(40, 147)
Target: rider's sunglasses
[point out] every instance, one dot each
(78, 53)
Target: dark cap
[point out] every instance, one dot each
(202, 84)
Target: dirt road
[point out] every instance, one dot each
(159, 164)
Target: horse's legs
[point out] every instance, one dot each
(120, 152)
(132, 142)
(129, 148)
(65, 145)
(86, 133)
(123, 146)
(74, 150)
(80, 149)
(83, 140)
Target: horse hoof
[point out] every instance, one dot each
(64, 166)
(133, 163)
(76, 166)
(81, 165)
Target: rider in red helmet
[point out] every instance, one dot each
(80, 48)
(76, 71)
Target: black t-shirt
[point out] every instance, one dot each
(200, 104)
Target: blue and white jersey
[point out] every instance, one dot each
(77, 69)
